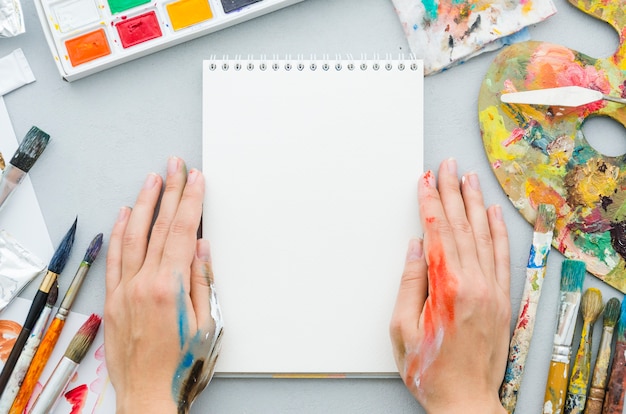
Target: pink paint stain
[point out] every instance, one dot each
(33, 397)
(77, 397)
(516, 135)
(97, 386)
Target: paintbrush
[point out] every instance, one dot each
(535, 273)
(616, 390)
(57, 263)
(24, 158)
(54, 331)
(570, 96)
(23, 362)
(590, 308)
(60, 377)
(572, 278)
(598, 381)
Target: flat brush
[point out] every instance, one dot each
(591, 307)
(23, 362)
(598, 381)
(535, 273)
(572, 278)
(57, 263)
(616, 390)
(60, 377)
(24, 158)
(51, 337)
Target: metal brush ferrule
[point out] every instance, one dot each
(561, 353)
(11, 177)
(568, 311)
(77, 282)
(47, 282)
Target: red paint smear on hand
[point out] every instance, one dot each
(442, 290)
(77, 397)
(438, 314)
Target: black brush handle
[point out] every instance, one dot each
(33, 314)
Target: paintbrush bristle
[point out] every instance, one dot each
(30, 149)
(93, 249)
(591, 305)
(53, 295)
(59, 260)
(80, 343)
(611, 312)
(546, 217)
(572, 275)
(621, 325)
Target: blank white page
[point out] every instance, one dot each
(310, 204)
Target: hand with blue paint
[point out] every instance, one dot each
(450, 326)
(162, 321)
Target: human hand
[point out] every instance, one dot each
(162, 321)
(450, 326)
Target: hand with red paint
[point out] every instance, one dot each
(162, 322)
(450, 326)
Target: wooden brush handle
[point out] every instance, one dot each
(594, 401)
(39, 302)
(520, 341)
(598, 382)
(614, 400)
(579, 381)
(575, 403)
(37, 365)
(556, 388)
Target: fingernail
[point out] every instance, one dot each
(193, 176)
(150, 181)
(473, 181)
(451, 164)
(415, 251)
(123, 213)
(497, 211)
(203, 252)
(173, 164)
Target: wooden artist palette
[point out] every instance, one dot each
(540, 155)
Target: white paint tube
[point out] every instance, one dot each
(18, 267)
(14, 71)
(11, 18)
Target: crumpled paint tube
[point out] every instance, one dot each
(18, 267)
(14, 71)
(11, 18)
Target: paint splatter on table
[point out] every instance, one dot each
(539, 154)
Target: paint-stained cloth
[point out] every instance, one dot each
(447, 32)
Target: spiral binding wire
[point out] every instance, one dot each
(325, 64)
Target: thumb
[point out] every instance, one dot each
(411, 298)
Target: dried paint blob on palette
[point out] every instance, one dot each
(95, 34)
(539, 154)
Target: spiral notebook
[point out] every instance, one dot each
(312, 170)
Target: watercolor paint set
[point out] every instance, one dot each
(87, 36)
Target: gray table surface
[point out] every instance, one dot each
(110, 129)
